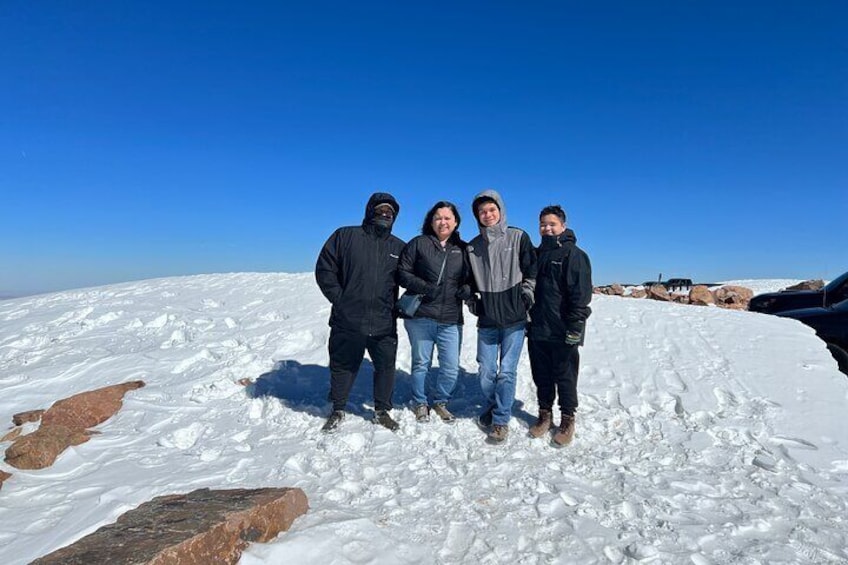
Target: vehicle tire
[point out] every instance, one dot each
(840, 355)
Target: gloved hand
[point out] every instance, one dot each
(464, 292)
(528, 299)
(473, 304)
(432, 290)
(574, 333)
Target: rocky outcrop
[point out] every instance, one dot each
(701, 296)
(41, 448)
(203, 526)
(815, 284)
(11, 434)
(733, 297)
(638, 292)
(3, 476)
(658, 292)
(88, 409)
(29, 416)
(64, 424)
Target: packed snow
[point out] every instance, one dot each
(703, 435)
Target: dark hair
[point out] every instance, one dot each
(427, 228)
(554, 209)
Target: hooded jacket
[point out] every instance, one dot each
(503, 263)
(418, 271)
(563, 288)
(356, 272)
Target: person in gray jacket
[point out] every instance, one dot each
(503, 265)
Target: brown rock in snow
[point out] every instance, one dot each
(41, 448)
(701, 295)
(88, 409)
(29, 416)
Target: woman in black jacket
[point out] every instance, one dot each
(434, 265)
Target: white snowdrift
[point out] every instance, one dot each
(703, 436)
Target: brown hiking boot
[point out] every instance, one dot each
(422, 413)
(565, 433)
(442, 412)
(543, 423)
(498, 434)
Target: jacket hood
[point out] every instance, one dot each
(379, 198)
(500, 227)
(550, 241)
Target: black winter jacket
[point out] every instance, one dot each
(356, 271)
(563, 288)
(418, 271)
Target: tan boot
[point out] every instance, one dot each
(543, 423)
(565, 433)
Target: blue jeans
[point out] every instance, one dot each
(498, 386)
(424, 335)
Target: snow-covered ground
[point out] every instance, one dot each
(703, 435)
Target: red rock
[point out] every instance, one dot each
(733, 297)
(816, 284)
(11, 434)
(3, 476)
(200, 527)
(701, 295)
(30, 416)
(88, 409)
(658, 292)
(41, 448)
(638, 293)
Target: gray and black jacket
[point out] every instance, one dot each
(563, 289)
(503, 264)
(356, 272)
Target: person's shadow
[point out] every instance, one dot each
(305, 388)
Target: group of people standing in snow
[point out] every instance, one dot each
(514, 290)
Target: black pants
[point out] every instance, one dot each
(347, 349)
(555, 365)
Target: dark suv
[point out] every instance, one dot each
(825, 310)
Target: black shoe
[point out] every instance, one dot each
(382, 417)
(484, 420)
(332, 423)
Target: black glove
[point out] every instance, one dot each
(432, 290)
(574, 333)
(464, 292)
(473, 304)
(527, 298)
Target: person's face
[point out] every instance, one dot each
(384, 211)
(550, 224)
(443, 223)
(488, 214)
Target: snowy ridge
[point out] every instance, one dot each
(703, 435)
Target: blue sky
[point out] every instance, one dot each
(147, 139)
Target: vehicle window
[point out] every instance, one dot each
(839, 281)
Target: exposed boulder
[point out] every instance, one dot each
(638, 293)
(41, 448)
(733, 297)
(88, 409)
(816, 284)
(64, 424)
(680, 298)
(658, 292)
(29, 416)
(701, 295)
(615, 290)
(203, 526)
(11, 434)
(3, 476)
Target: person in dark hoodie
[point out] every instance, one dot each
(503, 264)
(558, 323)
(356, 272)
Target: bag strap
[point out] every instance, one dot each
(442, 271)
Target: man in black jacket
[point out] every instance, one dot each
(356, 273)
(557, 323)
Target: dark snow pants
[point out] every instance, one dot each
(347, 349)
(555, 365)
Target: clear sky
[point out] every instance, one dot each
(146, 139)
